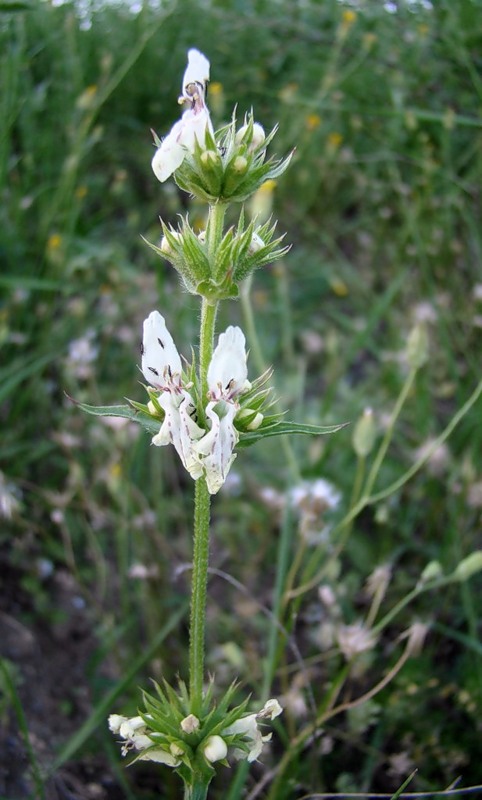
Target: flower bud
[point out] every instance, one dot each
(215, 749)
(257, 139)
(190, 724)
(240, 164)
(166, 248)
(417, 347)
(364, 434)
(256, 244)
(210, 158)
(469, 566)
(416, 635)
(432, 571)
(255, 422)
(153, 409)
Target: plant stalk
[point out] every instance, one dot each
(202, 504)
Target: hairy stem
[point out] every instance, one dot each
(202, 503)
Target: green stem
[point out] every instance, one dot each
(214, 232)
(202, 499)
(382, 451)
(198, 791)
(206, 340)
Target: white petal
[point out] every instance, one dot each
(215, 748)
(140, 741)
(257, 746)
(215, 449)
(190, 128)
(271, 709)
(170, 154)
(195, 125)
(131, 728)
(159, 755)
(160, 359)
(246, 726)
(115, 722)
(179, 429)
(228, 372)
(190, 433)
(197, 70)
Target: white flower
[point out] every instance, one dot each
(215, 749)
(202, 453)
(248, 728)
(161, 366)
(133, 731)
(227, 378)
(194, 122)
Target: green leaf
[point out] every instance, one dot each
(247, 438)
(285, 428)
(150, 424)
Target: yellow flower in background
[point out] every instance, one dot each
(334, 141)
(215, 88)
(261, 204)
(313, 121)
(115, 471)
(338, 287)
(81, 192)
(217, 98)
(348, 18)
(54, 241)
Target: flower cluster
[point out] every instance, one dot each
(224, 167)
(206, 450)
(170, 734)
(216, 275)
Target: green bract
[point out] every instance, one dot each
(242, 249)
(230, 167)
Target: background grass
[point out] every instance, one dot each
(382, 204)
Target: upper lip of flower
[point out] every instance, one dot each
(228, 372)
(196, 76)
(161, 363)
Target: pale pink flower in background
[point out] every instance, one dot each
(355, 639)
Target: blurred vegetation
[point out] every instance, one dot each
(383, 206)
